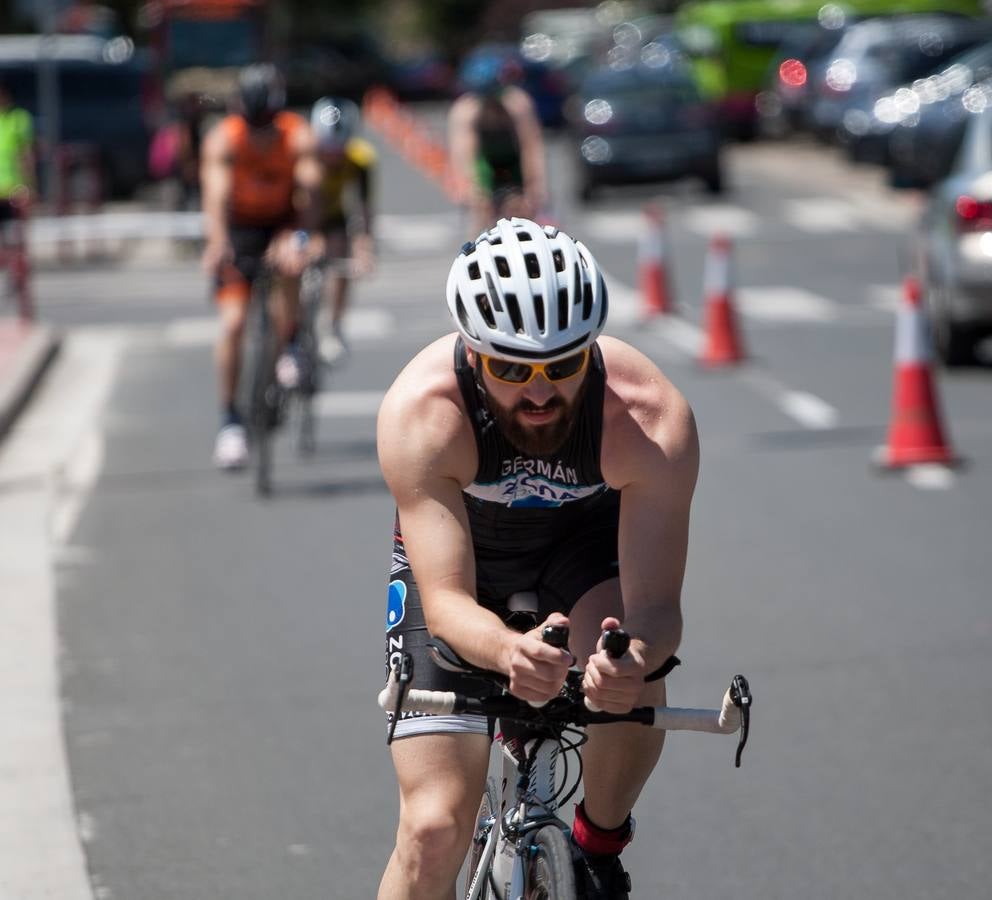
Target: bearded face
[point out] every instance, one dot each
(536, 422)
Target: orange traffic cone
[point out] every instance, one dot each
(722, 346)
(656, 295)
(915, 431)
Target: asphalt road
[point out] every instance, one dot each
(219, 656)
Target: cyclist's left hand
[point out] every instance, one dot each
(614, 685)
(287, 255)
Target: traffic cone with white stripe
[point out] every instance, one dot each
(722, 345)
(916, 434)
(656, 294)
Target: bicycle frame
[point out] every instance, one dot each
(526, 804)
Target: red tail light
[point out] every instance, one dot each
(792, 73)
(973, 215)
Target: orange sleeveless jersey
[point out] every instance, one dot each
(262, 179)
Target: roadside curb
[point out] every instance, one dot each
(26, 350)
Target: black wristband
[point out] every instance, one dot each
(664, 669)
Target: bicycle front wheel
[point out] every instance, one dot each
(478, 884)
(551, 875)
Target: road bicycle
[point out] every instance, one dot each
(268, 403)
(263, 401)
(521, 848)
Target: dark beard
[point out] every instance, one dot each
(538, 440)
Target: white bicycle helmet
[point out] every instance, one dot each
(525, 292)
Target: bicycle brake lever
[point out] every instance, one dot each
(403, 672)
(740, 694)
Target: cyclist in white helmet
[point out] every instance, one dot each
(346, 206)
(527, 453)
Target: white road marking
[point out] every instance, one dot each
(411, 233)
(620, 227)
(930, 477)
(785, 304)
(733, 221)
(808, 409)
(821, 215)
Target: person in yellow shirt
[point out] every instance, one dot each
(16, 185)
(346, 209)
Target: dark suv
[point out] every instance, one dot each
(102, 87)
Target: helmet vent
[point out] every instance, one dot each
(539, 312)
(463, 318)
(513, 308)
(559, 259)
(562, 308)
(473, 271)
(586, 301)
(502, 267)
(482, 301)
(533, 266)
(524, 236)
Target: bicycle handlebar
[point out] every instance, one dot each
(570, 707)
(725, 720)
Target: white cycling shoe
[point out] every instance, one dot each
(332, 348)
(231, 448)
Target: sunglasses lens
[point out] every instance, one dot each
(565, 368)
(514, 372)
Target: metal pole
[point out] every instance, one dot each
(49, 102)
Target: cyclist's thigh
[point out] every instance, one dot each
(441, 776)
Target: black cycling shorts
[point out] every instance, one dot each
(249, 243)
(570, 562)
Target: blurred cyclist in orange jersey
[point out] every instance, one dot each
(259, 176)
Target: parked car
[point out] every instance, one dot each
(929, 118)
(103, 88)
(645, 123)
(876, 56)
(956, 248)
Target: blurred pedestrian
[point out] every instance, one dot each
(497, 145)
(346, 209)
(17, 185)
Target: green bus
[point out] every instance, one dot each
(732, 42)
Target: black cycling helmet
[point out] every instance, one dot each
(334, 122)
(262, 93)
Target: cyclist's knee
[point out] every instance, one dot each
(233, 316)
(431, 842)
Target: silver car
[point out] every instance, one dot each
(956, 247)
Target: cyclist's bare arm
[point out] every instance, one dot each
(215, 187)
(427, 454)
(650, 453)
(521, 108)
(463, 142)
(307, 174)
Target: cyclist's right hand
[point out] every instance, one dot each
(537, 670)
